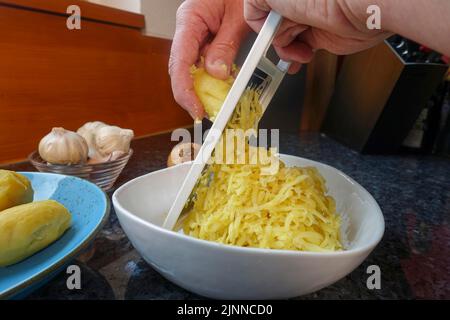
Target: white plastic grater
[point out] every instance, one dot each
(269, 82)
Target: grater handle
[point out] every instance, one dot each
(273, 22)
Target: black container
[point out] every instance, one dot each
(378, 98)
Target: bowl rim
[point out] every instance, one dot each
(79, 165)
(12, 291)
(252, 250)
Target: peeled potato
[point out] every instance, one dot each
(29, 228)
(15, 189)
(211, 91)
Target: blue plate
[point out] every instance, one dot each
(89, 207)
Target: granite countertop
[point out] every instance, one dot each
(414, 255)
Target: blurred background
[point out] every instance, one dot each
(389, 99)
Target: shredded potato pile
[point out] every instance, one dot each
(239, 205)
(288, 210)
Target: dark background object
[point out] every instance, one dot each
(378, 98)
(284, 111)
(442, 146)
(423, 137)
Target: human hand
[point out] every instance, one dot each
(338, 26)
(214, 29)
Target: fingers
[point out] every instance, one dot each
(255, 13)
(287, 33)
(348, 18)
(295, 68)
(301, 11)
(296, 52)
(196, 22)
(290, 48)
(190, 34)
(222, 51)
(184, 93)
(285, 43)
(336, 26)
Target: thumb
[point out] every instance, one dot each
(223, 49)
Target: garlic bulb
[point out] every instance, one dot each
(88, 131)
(61, 146)
(183, 152)
(111, 138)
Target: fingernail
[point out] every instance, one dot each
(296, 33)
(196, 114)
(220, 65)
(192, 113)
(193, 116)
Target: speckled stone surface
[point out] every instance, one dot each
(414, 255)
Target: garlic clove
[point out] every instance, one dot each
(183, 152)
(97, 160)
(111, 138)
(88, 132)
(116, 155)
(62, 146)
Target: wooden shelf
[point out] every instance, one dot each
(89, 11)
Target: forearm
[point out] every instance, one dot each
(424, 21)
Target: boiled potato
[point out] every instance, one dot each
(15, 189)
(211, 91)
(28, 228)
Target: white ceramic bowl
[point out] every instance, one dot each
(226, 272)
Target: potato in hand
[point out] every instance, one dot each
(211, 91)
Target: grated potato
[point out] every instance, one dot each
(239, 205)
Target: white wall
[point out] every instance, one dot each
(160, 17)
(159, 14)
(127, 5)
